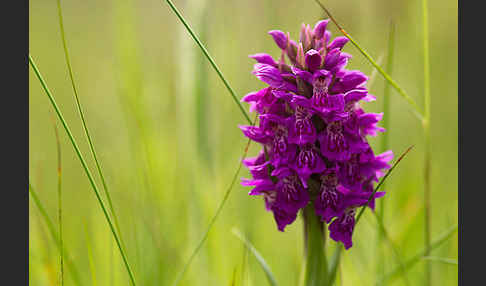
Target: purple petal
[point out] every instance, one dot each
(264, 59)
(338, 43)
(313, 59)
(320, 28)
(280, 38)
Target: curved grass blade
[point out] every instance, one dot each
(419, 256)
(83, 121)
(85, 167)
(210, 59)
(449, 261)
(270, 277)
(413, 104)
(50, 226)
(336, 257)
(213, 219)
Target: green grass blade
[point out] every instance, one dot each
(428, 147)
(385, 142)
(85, 167)
(413, 104)
(210, 59)
(213, 219)
(50, 226)
(418, 257)
(270, 277)
(83, 120)
(387, 237)
(92, 267)
(59, 201)
(449, 261)
(372, 77)
(334, 264)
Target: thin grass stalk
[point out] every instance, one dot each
(59, 202)
(85, 167)
(385, 140)
(415, 109)
(363, 208)
(210, 59)
(213, 219)
(50, 226)
(83, 120)
(419, 256)
(426, 126)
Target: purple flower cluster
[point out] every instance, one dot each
(313, 132)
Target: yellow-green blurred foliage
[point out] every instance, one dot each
(165, 129)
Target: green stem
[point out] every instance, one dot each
(85, 126)
(426, 126)
(416, 110)
(314, 252)
(85, 166)
(210, 59)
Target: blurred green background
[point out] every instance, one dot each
(165, 129)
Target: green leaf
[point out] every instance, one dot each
(442, 260)
(213, 219)
(420, 255)
(270, 277)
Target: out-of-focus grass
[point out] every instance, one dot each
(166, 133)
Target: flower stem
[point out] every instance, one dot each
(314, 249)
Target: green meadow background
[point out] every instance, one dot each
(165, 130)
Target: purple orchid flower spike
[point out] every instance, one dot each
(313, 133)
